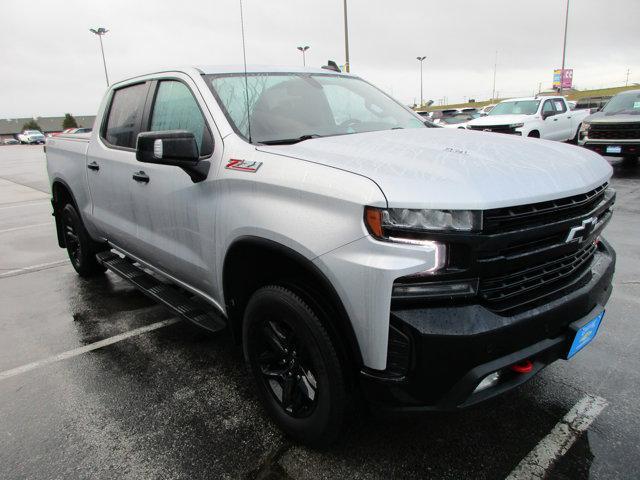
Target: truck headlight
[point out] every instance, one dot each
(383, 223)
(516, 125)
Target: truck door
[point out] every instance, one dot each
(175, 215)
(111, 158)
(563, 115)
(549, 128)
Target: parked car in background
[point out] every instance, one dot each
(10, 141)
(614, 131)
(31, 137)
(486, 109)
(458, 120)
(352, 252)
(63, 132)
(70, 131)
(539, 117)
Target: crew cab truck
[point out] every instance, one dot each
(352, 251)
(540, 117)
(615, 131)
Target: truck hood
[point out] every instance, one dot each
(457, 169)
(601, 117)
(501, 120)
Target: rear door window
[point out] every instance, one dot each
(125, 114)
(560, 106)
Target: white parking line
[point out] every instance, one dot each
(14, 229)
(32, 268)
(560, 440)
(25, 204)
(87, 348)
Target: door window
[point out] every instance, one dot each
(123, 123)
(175, 108)
(547, 108)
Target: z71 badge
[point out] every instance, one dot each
(243, 165)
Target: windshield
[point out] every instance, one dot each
(624, 103)
(289, 107)
(33, 132)
(518, 107)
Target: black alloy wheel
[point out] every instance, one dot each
(80, 247)
(298, 371)
(286, 368)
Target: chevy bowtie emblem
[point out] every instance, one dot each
(582, 230)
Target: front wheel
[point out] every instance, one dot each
(296, 366)
(80, 248)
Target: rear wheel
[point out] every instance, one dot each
(298, 373)
(80, 248)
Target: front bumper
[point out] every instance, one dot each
(453, 348)
(627, 149)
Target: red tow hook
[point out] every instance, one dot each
(524, 366)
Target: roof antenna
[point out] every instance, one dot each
(246, 83)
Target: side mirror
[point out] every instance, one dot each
(170, 147)
(546, 115)
(173, 147)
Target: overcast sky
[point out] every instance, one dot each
(51, 63)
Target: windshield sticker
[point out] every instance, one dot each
(636, 105)
(243, 165)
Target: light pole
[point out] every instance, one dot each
(421, 60)
(303, 50)
(347, 65)
(495, 69)
(564, 46)
(100, 31)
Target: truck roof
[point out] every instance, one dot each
(213, 69)
(540, 97)
(222, 69)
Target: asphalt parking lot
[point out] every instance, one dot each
(170, 401)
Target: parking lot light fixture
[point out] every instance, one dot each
(421, 60)
(303, 50)
(100, 31)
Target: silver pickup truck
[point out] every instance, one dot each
(351, 250)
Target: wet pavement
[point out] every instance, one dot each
(177, 402)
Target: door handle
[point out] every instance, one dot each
(141, 177)
(555, 119)
(93, 166)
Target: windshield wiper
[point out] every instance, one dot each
(290, 141)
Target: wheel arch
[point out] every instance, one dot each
(252, 262)
(61, 194)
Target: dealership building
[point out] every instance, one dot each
(10, 127)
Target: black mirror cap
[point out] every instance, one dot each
(169, 147)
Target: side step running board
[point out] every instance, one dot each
(171, 297)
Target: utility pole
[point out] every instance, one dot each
(539, 88)
(421, 60)
(347, 65)
(626, 83)
(495, 69)
(564, 46)
(100, 32)
(303, 50)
